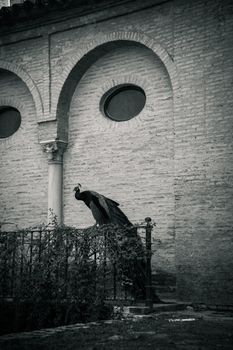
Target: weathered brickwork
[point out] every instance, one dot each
(203, 152)
(131, 162)
(23, 181)
(172, 162)
(19, 71)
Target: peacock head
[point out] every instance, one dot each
(77, 188)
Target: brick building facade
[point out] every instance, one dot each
(172, 162)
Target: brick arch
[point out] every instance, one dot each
(87, 55)
(12, 102)
(26, 78)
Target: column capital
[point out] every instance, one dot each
(54, 149)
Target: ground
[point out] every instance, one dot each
(165, 330)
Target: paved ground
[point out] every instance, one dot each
(182, 330)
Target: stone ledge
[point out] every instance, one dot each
(163, 307)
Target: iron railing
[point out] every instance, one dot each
(31, 257)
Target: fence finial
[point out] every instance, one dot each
(148, 219)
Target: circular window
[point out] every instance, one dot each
(10, 120)
(123, 102)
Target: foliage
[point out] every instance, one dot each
(64, 274)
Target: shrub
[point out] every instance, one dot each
(62, 275)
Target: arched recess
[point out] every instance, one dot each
(89, 54)
(161, 157)
(26, 78)
(133, 161)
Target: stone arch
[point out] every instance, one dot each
(88, 54)
(26, 78)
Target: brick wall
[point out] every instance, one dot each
(204, 151)
(4, 3)
(28, 58)
(23, 169)
(174, 161)
(131, 162)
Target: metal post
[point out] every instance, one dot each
(13, 265)
(114, 281)
(149, 296)
(66, 263)
(30, 257)
(105, 262)
(40, 246)
(21, 262)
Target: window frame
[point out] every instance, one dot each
(106, 98)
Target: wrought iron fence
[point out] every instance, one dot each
(55, 263)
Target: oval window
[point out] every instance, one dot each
(10, 120)
(123, 102)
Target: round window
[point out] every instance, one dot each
(123, 102)
(10, 120)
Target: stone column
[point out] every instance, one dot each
(55, 150)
